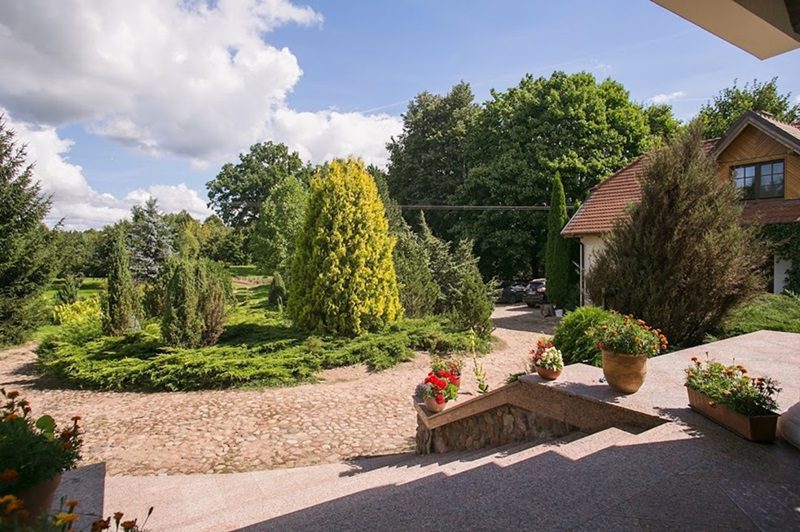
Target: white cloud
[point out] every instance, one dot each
(77, 203)
(659, 99)
(189, 78)
(797, 99)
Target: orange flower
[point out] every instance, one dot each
(76, 418)
(8, 476)
(71, 505)
(117, 517)
(13, 395)
(128, 526)
(101, 524)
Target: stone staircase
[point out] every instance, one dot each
(351, 496)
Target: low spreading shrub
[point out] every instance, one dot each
(772, 312)
(571, 336)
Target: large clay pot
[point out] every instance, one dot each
(432, 406)
(624, 373)
(39, 497)
(549, 374)
(789, 425)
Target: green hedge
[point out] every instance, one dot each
(570, 335)
(769, 311)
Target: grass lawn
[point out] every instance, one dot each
(769, 311)
(257, 348)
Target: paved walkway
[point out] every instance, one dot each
(353, 413)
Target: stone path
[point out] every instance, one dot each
(352, 413)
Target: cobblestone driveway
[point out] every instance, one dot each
(352, 413)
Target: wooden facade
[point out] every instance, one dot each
(754, 146)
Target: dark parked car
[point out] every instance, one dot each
(512, 292)
(535, 293)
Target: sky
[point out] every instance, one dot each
(118, 101)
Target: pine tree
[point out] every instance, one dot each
(272, 243)
(681, 259)
(343, 278)
(151, 241)
(182, 322)
(557, 259)
(214, 288)
(27, 254)
(277, 291)
(120, 304)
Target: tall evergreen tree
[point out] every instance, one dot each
(27, 258)
(557, 262)
(272, 243)
(182, 322)
(120, 305)
(151, 241)
(343, 277)
(682, 258)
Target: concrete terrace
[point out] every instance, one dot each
(686, 473)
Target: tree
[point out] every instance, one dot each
(182, 322)
(272, 243)
(27, 254)
(343, 278)
(681, 259)
(558, 265)
(277, 291)
(569, 124)
(150, 240)
(238, 191)
(418, 290)
(727, 106)
(428, 160)
(120, 304)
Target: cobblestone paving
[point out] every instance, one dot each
(351, 413)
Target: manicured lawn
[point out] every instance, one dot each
(258, 348)
(769, 311)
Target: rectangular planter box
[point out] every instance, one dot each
(755, 428)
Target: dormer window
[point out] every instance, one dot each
(760, 180)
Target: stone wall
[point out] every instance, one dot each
(498, 426)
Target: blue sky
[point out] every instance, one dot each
(361, 59)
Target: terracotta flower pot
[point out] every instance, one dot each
(433, 406)
(38, 498)
(624, 373)
(549, 374)
(754, 428)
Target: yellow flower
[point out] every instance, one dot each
(65, 519)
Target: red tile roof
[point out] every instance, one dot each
(771, 211)
(608, 199)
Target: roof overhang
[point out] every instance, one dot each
(750, 118)
(764, 28)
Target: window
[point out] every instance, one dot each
(760, 180)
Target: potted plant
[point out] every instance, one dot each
(549, 364)
(626, 343)
(448, 368)
(33, 454)
(438, 390)
(730, 396)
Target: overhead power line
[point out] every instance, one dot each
(477, 207)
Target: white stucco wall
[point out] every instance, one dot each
(591, 247)
(779, 274)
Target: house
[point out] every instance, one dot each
(764, 28)
(758, 152)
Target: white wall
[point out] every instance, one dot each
(779, 274)
(591, 246)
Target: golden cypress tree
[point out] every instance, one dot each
(343, 279)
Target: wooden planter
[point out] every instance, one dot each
(753, 428)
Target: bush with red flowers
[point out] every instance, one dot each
(32, 451)
(441, 385)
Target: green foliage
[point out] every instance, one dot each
(120, 304)
(784, 241)
(82, 310)
(558, 265)
(214, 286)
(418, 290)
(34, 450)
(770, 312)
(658, 265)
(238, 191)
(272, 243)
(277, 291)
(343, 278)
(726, 107)
(221, 243)
(626, 335)
(182, 322)
(257, 349)
(473, 309)
(733, 387)
(150, 240)
(428, 160)
(27, 253)
(571, 124)
(571, 335)
(68, 290)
